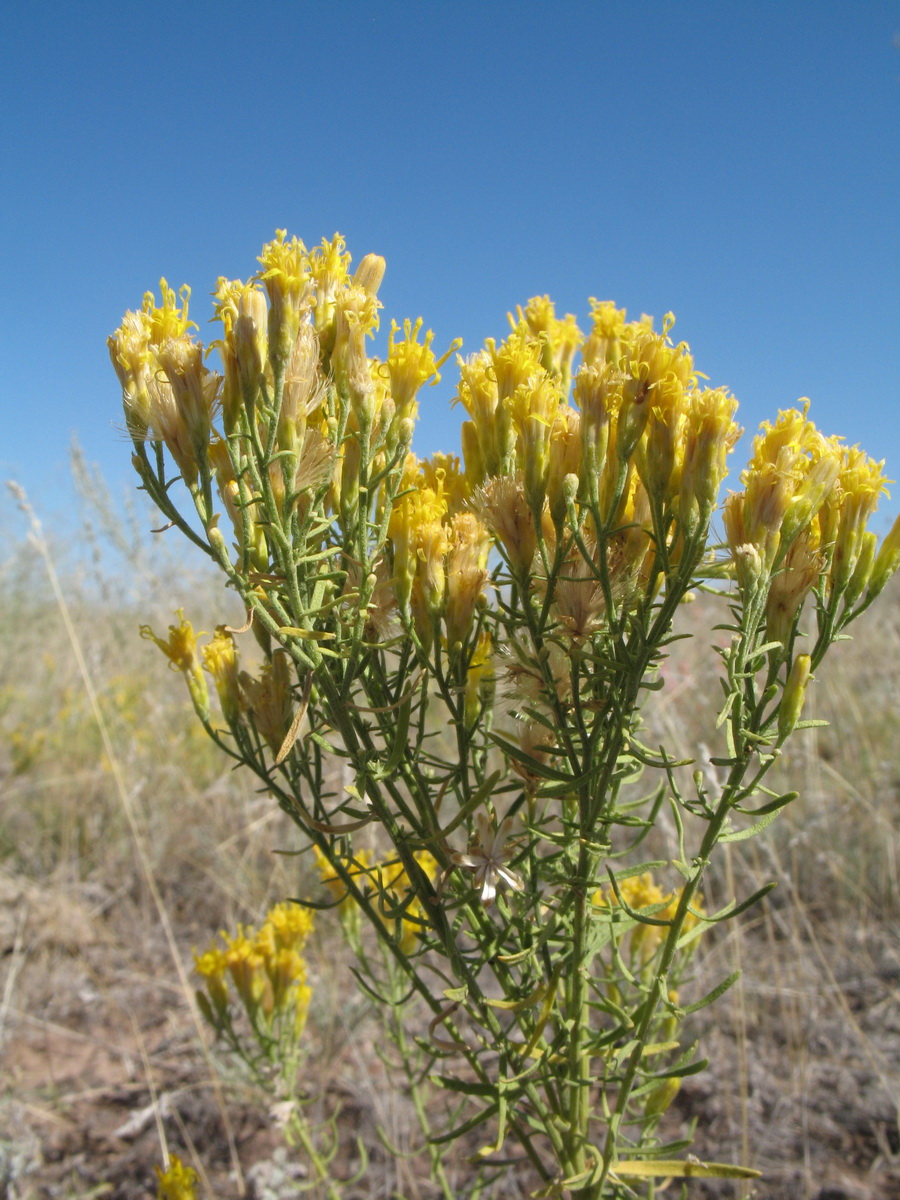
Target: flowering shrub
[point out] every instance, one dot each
(471, 644)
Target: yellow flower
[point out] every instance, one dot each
(420, 543)
(177, 1182)
(180, 648)
(641, 892)
(212, 967)
(607, 325)
(286, 275)
(134, 361)
(220, 660)
(565, 459)
(241, 307)
(533, 407)
(246, 966)
(790, 475)
(304, 388)
(442, 473)
(167, 393)
(710, 435)
(485, 437)
(558, 338)
(291, 925)
(860, 483)
(355, 319)
(169, 320)
(598, 393)
(359, 865)
(329, 271)
(791, 584)
(411, 364)
(195, 392)
(469, 544)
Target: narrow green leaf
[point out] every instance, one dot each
(674, 1168)
(719, 990)
(741, 835)
(732, 910)
(468, 1087)
(774, 805)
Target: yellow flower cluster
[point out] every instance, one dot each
(594, 462)
(802, 516)
(265, 969)
(641, 433)
(640, 893)
(440, 549)
(294, 335)
(168, 394)
(391, 886)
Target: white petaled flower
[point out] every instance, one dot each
(487, 857)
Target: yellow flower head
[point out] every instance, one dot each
(195, 393)
(220, 660)
(420, 542)
(710, 435)
(242, 309)
(177, 1182)
(180, 648)
(411, 364)
(286, 275)
(558, 338)
(359, 865)
(642, 892)
(516, 361)
(444, 475)
(533, 408)
(564, 452)
(134, 362)
(212, 967)
(467, 560)
(486, 437)
(607, 323)
(291, 925)
(790, 475)
(167, 393)
(247, 968)
(846, 511)
(168, 320)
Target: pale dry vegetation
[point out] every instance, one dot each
(101, 1059)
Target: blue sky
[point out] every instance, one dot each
(737, 163)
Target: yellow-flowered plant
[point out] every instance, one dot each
(255, 982)
(455, 660)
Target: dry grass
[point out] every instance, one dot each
(102, 1062)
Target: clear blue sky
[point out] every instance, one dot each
(738, 163)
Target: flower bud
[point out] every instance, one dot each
(370, 273)
(863, 570)
(886, 561)
(793, 696)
